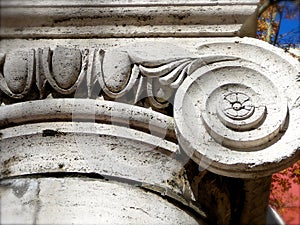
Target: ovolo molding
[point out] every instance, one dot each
(234, 113)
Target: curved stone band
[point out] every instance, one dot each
(233, 118)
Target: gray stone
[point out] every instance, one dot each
(18, 201)
(67, 63)
(124, 18)
(157, 103)
(241, 110)
(84, 201)
(116, 70)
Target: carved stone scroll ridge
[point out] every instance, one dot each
(242, 108)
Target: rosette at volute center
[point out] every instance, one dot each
(242, 113)
(239, 119)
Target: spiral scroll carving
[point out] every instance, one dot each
(243, 116)
(221, 98)
(230, 115)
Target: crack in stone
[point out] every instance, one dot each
(38, 203)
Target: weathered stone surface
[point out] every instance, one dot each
(84, 201)
(112, 150)
(88, 110)
(124, 18)
(122, 72)
(66, 64)
(17, 80)
(263, 121)
(116, 70)
(16, 76)
(19, 201)
(124, 143)
(235, 118)
(108, 150)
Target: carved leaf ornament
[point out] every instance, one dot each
(235, 113)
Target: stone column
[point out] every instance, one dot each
(256, 200)
(100, 102)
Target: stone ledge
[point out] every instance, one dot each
(88, 19)
(107, 3)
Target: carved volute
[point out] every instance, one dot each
(129, 112)
(243, 110)
(234, 118)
